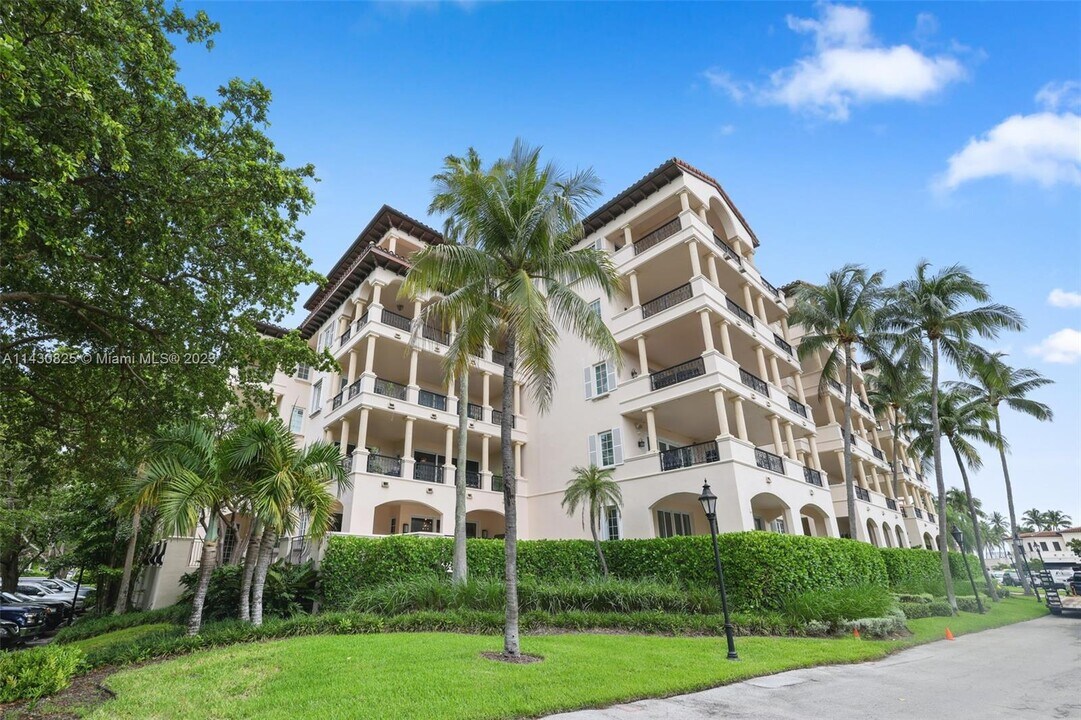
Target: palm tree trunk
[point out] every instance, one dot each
(594, 520)
(206, 567)
(1025, 586)
(460, 569)
(850, 485)
(975, 525)
(251, 556)
(896, 437)
(511, 646)
(129, 561)
(266, 548)
(936, 442)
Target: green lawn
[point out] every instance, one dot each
(442, 674)
(99, 642)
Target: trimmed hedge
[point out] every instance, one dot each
(917, 570)
(89, 627)
(34, 673)
(761, 569)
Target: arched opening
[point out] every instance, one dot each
(887, 535)
(872, 533)
(927, 542)
(900, 537)
(770, 513)
(938, 542)
(815, 521)
(485, 524)
(719, 217)
(393, 518)
(679, 514)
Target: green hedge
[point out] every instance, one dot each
(34, 673)
(918, 570)
(761, 569)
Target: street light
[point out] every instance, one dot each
(960, 540)
(709, 504)
(1024, 559)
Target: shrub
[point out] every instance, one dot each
(967, 603)
(90, 627)
(916, 570)
(914, 610)
(835, 606)
(879, 627)
(914, 597)
(289, 590)
(940, 608)
(33, 673)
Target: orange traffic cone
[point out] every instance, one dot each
(856, 633)
(949, 635)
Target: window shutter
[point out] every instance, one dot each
(599, 243)
(589, 383)
(617, 446)
(593, 450)
(611, 368)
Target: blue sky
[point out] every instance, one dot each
(878, 134)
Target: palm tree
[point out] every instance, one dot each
(592, 489)
(928, 314)
(285, 480)
(1034, 518)
(1001, 383)
(1056, 520)
(187, 479)
(999, 528)
(840, 316)
(890, 388)
(510, 267)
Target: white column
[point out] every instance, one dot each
(517, 398)
(651, 429)
(484, 453)
(517, 459)
(486, 400)
(627, 235)
(707, 330)
(711, 268)
(748, 301)
(414, 356)
(799, 388)
(785, 333)
(362, 432)
(761, 355)
(633, 277)
(791, 441)
(762, 309)
(741, 422)
(722, 413)
(829, 408)
(775, 426)
(643, 360)
(684, 201)
(369, 356)
(775, 370)
(377, 292)
(449, 452)
(814, 453)
(352, 368)
(696, 262)
(408, 451)
(343, 438)
(726, 340)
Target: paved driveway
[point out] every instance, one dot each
(1027, 670)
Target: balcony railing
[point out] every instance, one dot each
(497, 483)
(472, 479)
(877, 453)
(919, 513)
(347, 463)
(754, 382)
(395, 320)
(930, 516)
(499, 357)
(474, 411)
(433, 333)
(851, 438)
(797, 407)
(345, 335)
(657, 236)
(772, 288)
(385, 465)
(670, 298)
(336, 401)
(428, 472)
(497, 418)
(904, 512)
(891, 503)
(390, 389)
(727, 250)
(740, 312)
(354, 389)
(812, 476)
(361, 321)
(433, 400)
(688, 455)
(862, 494)
(907, 469)
(783, 344)
(677, 374)
(835, 385)
(865, 406)
(769, 461)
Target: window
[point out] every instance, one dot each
(317, 396)
(600, 379)
(1057, 546)
(303, 372)
(606, 448)
(595, 307)
(777, 526)
(670, 524)
(326, 339)
(296, 420)
(599, 243)
(1043, 545)
(611, 522)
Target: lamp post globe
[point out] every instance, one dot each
(709, 505)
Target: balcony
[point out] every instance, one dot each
(475, 412)
(812, 476)
(727, 250)
(919, 513)
(432, 400)
(354, 389)
(769, 461)
(428, 472)
(663, 302)
(390, 389)
(395, 320)
(657, 236)
(863, 494)
(771, 287)
(497, 418)
(891, 503)
(472, 479)
(797, 407)
(781, 343)
(877, 453)
(499, 357)
(677, 374)
(385, 465)
(754, 382)
(689, 455)
(835, 385)
(336, 401)
(345, 335)
(864, 405)
(433, 333)
(739, 312)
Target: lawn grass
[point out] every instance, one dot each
(126, 635)
(443, 675)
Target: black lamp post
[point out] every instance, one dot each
(960, 540)
(709, 504)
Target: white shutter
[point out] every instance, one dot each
(617, 446)
(589, 383)
(599, 243)
(611, 368)
(593, 450)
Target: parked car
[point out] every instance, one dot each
(30, 619)
(40, 592)
(84, 590)
(9, 635)
(57, 613)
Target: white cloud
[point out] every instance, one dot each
(727, 129)
(1044, 147)
(1064, 298)
(848, 67)
(1062, 347)
(1066, 94)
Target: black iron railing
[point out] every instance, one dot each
(851, 438)
(336, 401)
(395, 320)
(433, 333)
(670, 298)
(472, 479)
(497, 483)
(428, 472)
(677, 374)
(782, 343)
(768, 461)
(862, 494)
(361, 321)
(657, 236)
(771, 287)
(742, 314)
(432, 400)
(354, 389)
(497, 418)
(812, 476)
(345, 335)
(891, 503)
(919, 513)
(688, 455)
(385, 465)
(390, 389)
(499, 357)
(907, 469)
(727, 250)
(347, 463)
(877, 453)
(797, 407)
(835, 385)
(754, 382)
(474, 411)
(865, 406)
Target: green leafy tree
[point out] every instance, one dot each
(931, 314)
(1075, 547)
(839, 317)
(1002, 384)
(591, 490)
(515, 286)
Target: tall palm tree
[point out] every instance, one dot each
(1056, 520)
(188, 480)
(931, 314)
(514, 285)
(1034, 517)
(840, 316)
(999, 527)
(890, 388)
(285, 480)
(1000, 384)
(592, 490)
